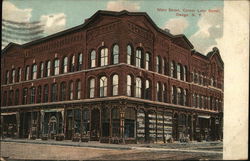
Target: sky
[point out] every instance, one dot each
(203, 29)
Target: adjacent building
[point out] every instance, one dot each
(115, 78)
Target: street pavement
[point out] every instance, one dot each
(68, 150)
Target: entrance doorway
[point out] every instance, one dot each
(95, 125)
(52, 127)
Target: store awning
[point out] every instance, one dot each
(8, 113)
(204, 116)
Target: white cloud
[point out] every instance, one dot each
(210, 31)
(12, 13)
(176, 25)
(53, 22)
(123, 5)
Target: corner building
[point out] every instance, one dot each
(115, 78)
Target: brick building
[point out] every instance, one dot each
(115, 78)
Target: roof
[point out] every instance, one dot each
(216, 52)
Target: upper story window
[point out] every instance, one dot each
(179, 96)
(13, 76)
(11, 92)
(56, 67)
(78, 89)
(185, 73)
(54, 92)
(179, 71)
(129, 85)
(147, 63)
(17, 97)
(93, 59)
(185, 97)
(115, 54)
(4, 98)
(39, 94)
(103, 86)
(80, 61)
(27, 73)
(46, 93)
(65, 65)
(104, 57)
(129, 55)
(25, 96)
(164, 93)
(138, 58)
(7, 77)
(48, 66)
(172, 70)
(63, 91)
(173, 95)
(34, 71)
(115, 83)
(72, 64)
(92, 88)
(158, 91)
(147, 90)
(19, 74)
(71, 88)
(41, 69)
(138, 87)
(194, 100)
(157, 67)
(32, 95)
(163, 66)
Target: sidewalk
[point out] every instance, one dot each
(210, 147)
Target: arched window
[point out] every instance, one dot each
(71, 88)
(7, 77)
(173, 94)
(19, 74)
(39, 94)
(115, 82)
(92, 88)
(172, 70)
(163, 66)
(79, 63)
(56, 66)
(48, 66)
(138, 58)
(93, 59)
(72, 63)
(4, 98)
(46, 93)
(147, 90)
(27, 73)
(11, 92)
(115, 54)
(179, 71)
(25, 96)
(78, 89)
(17, 97)
(13, 76)
(32, 95)
(34, 71)
(41, 69)
(104, 57)
(185, 97)
(158, 92)
(185, 73)
(194, 100)
(65, 65)
(103, 86)
(157, 67)
(129, 55)
(179, 97)
(138, 87)
(63, 91)
(147, 63)
(164, 93)
(129, 85)
(198, 100)
(54, 92)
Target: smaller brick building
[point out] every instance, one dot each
(115, 78)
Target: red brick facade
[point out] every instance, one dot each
(193, 82)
